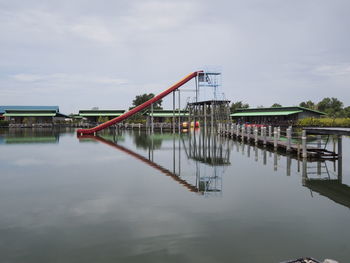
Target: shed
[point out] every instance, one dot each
(95, 116)
(274, 116)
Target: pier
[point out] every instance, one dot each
(293, 143)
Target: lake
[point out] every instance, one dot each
(131, 196)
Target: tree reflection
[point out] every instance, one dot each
(144, 141)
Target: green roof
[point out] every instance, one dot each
(264, 113)
(99, 114)
(156, 114)
(290, 108)
(36, 114)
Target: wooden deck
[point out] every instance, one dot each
(289, 144)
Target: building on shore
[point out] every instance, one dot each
(163, 116)
(274, 116)
(32, 115)
(98, 116)
(159, 116)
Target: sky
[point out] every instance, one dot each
(102, 53)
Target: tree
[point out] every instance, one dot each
(331, 106)
(308, 104)
(276, 105)
(102, 119)
(238, 105)
(139, 99)
(346, 112)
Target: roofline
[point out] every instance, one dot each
(278, 108)
(103, 110)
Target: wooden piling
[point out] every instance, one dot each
(289, 139)
(256, 135)
(275, 145)
(303, 142)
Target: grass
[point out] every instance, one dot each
(325, 122)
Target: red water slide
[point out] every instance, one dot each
(140, 107)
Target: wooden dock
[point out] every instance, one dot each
(271, 137)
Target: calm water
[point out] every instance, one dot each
(133, 197)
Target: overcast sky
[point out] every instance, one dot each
(80, 54)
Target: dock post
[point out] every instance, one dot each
(278, 133)
(289, 139)
(275, 138)
(303, 142)
(340, 147)
(270, 132)
(248, 133)
(264, 135)
(256, 135)
(243, 128)
(340, 159)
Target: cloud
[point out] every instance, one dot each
(333, 70)
(124, 48)
(160, 15)
(60, 78)
(93, 29)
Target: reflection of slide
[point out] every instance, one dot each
(145, 160)
(140, 107)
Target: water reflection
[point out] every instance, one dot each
(23, 136)
(198, 160)
(208, 153)
(320, 179)
(323, 176)
(211, 154)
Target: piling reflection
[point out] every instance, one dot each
(323, 176)
(209, 154)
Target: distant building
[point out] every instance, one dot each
(96, 116)
(274, 116)
(167, 115)
(30, 115)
